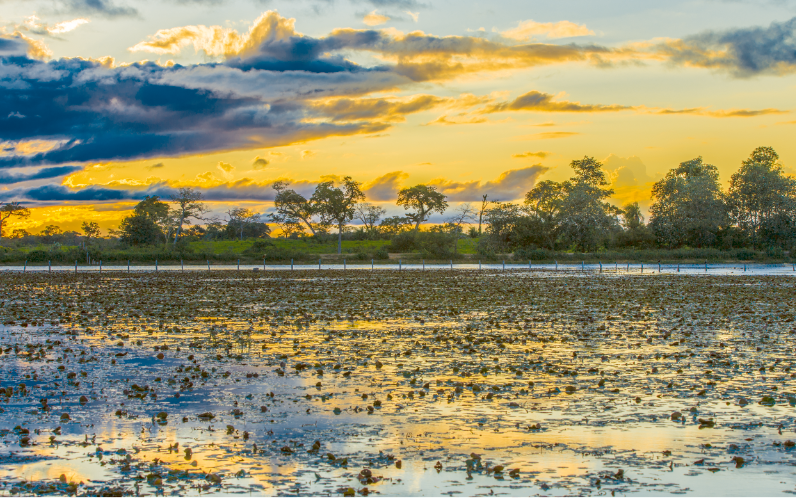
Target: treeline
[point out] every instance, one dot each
(689, 212)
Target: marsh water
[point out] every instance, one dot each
(464, 382)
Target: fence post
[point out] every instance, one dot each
(238, 263)
(582, 266)
(616, 266)
(128, 266)
(25, 267)
(556, 265)
(601, 266)
(344, 267)
(529, 266)
(659, 266)
(479, 264)
(182, 266)
(399, 265)
(504, 265)
(208, 264)
(678, 267)
(291, 263)
(744, 267)
(451, 264)
(319, 263)
(49, 266)
(75, 267)
(371, 263)
(706, 266)
(642, 267)
(100, 266)
(156, 265)
(628, 267)
(424, 265)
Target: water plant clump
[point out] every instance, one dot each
(395, 383)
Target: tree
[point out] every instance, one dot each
(484, 206)
(585, 218)
(761, 199)
(241, 219)
(337, 206)
(688, 207)
(424, 200)
(189, 205)
(19, 233)
(292, 207)
(502, 220)
(394, 225)
(369, 215)
(544, 202)
(463, 214)
(12, 209)
(150, 221)
(632, 216)
(90, 229)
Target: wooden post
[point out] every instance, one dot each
(678, 267)
(582, 266)
(371, 263)
(128, 266)
(208, 264)
(479, 264)
(659, 266)
(100, 266)
(344, 267)
(706, 266)
(601, 266)
(291, 263)
(156, 265)
(238, 263)
(49, 266)
(399, 265)
(319, 263)
(451, 264)
(25, 267)
(556, 265)
(75, 267)
(529, 266)
(424, 265)
(504, 265)
(642, 267)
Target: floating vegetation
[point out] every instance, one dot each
(411, 383)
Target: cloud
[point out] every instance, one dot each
(548, 135)
(105, 8)
(346, 109)
(741, 52)
(510, 185)
(729, 113)
(541, 154)
(543, 102)
(156, 166)
(306, 154)
(626, 171)
(527, 30)
(33, 24)
(7, 177)
(414, 15)
(385, 187)
(259, 163)
(225, 167)
(20, 45)
(374, 19)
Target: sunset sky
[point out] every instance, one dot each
(105, 101)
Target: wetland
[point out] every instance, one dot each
(396, 383)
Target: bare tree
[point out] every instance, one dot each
(369, 215)
(461, 215)
(484, 208)
(10, 209)
(240, 217)
(189, 205)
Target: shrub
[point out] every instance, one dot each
(381, 253)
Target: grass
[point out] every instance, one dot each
(302, 245)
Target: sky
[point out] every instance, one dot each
(103, 102)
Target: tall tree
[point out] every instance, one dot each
(688, 206)
(12, 209)
(461, 215)
(484, 206)
(337, 205)
(761, 199)
(586, 219)
(188, 205)
(91, 230)
(544, 202)
(369, 215)
(150, 221)
(240, 219)
(292, 207)
(424, 200)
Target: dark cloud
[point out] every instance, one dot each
(156, 166)
(13, 46)
(7, 177)
(106, 8)
(743, 52)
(385, 187)
(260, 163)
(510, 185)
(543, 102)
(523, 155)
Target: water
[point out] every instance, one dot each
(459, 362)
